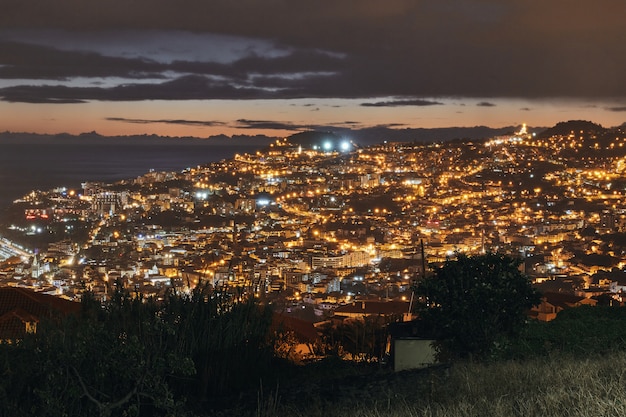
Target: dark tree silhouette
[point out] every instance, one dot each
(475, 301)
(136, 356)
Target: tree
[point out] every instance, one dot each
(138, 356)
(361, 339)
(473, 302)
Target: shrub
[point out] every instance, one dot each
(474, 301)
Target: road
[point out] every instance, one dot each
(9, 249)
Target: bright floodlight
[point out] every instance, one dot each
(263, 201)
(328, 145)
(345, 146)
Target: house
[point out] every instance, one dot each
(552, 303)
(410, 345)
(618, 284)
(22, 309)
(299, 336)
(364, 308)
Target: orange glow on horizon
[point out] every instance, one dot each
(230, 117)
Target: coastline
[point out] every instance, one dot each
(25, 167)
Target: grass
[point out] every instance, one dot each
(552, 386)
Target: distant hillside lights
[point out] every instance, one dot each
(334, 146)
(516, 138)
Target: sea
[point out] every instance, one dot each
(46, 165)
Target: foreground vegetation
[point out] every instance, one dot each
(137, 357)
(547, 386)
(208, 354)
(574, 366)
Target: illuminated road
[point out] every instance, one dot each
(9, 249)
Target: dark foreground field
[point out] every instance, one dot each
(553, 386)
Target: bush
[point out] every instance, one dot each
(473, 302)
(135, 357)
(580, 331)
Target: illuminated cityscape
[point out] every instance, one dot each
(315, 225)
(287, 208)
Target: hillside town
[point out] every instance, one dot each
(317, 225)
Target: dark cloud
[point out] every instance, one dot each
(26, 61)
(617, 109)
(396, 103)
(276, 125)
(525, 109)
(485, 104)
(245, 124)
(43, 100)
(191, 87)
(271, 125)
(347, 49)
(294, 75)
(167, 121)
(292, 65)
(389, 126)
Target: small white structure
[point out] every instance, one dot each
(413, 353)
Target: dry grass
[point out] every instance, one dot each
(545, 387)
(542, 387)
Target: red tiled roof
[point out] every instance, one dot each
(19, 306)
(11, 326)
(374, 308)
(305, 331)
(562, 300)
(25, 316)
(33, 302)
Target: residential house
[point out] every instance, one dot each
(552, 303)
(364, 308)
(298, 337)
(22, 309)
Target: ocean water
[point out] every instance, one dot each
(44, 166)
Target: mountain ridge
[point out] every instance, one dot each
(364, 137)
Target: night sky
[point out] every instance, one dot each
(275, 67)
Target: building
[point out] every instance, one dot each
(553, 303)
(347, 260)
(106, 203)
(22, 309)
(364, 308)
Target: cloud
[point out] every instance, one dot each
(26, 61)
(396, 103)
(485, 104)
(271, 125)
(290, 75)
(191, 87)
(241, 123)
(167, 121)
(278, 125)
(349, 49)
(389, 125)
(246, 124)
(294, 65)
(617, 109)
(43, 100)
